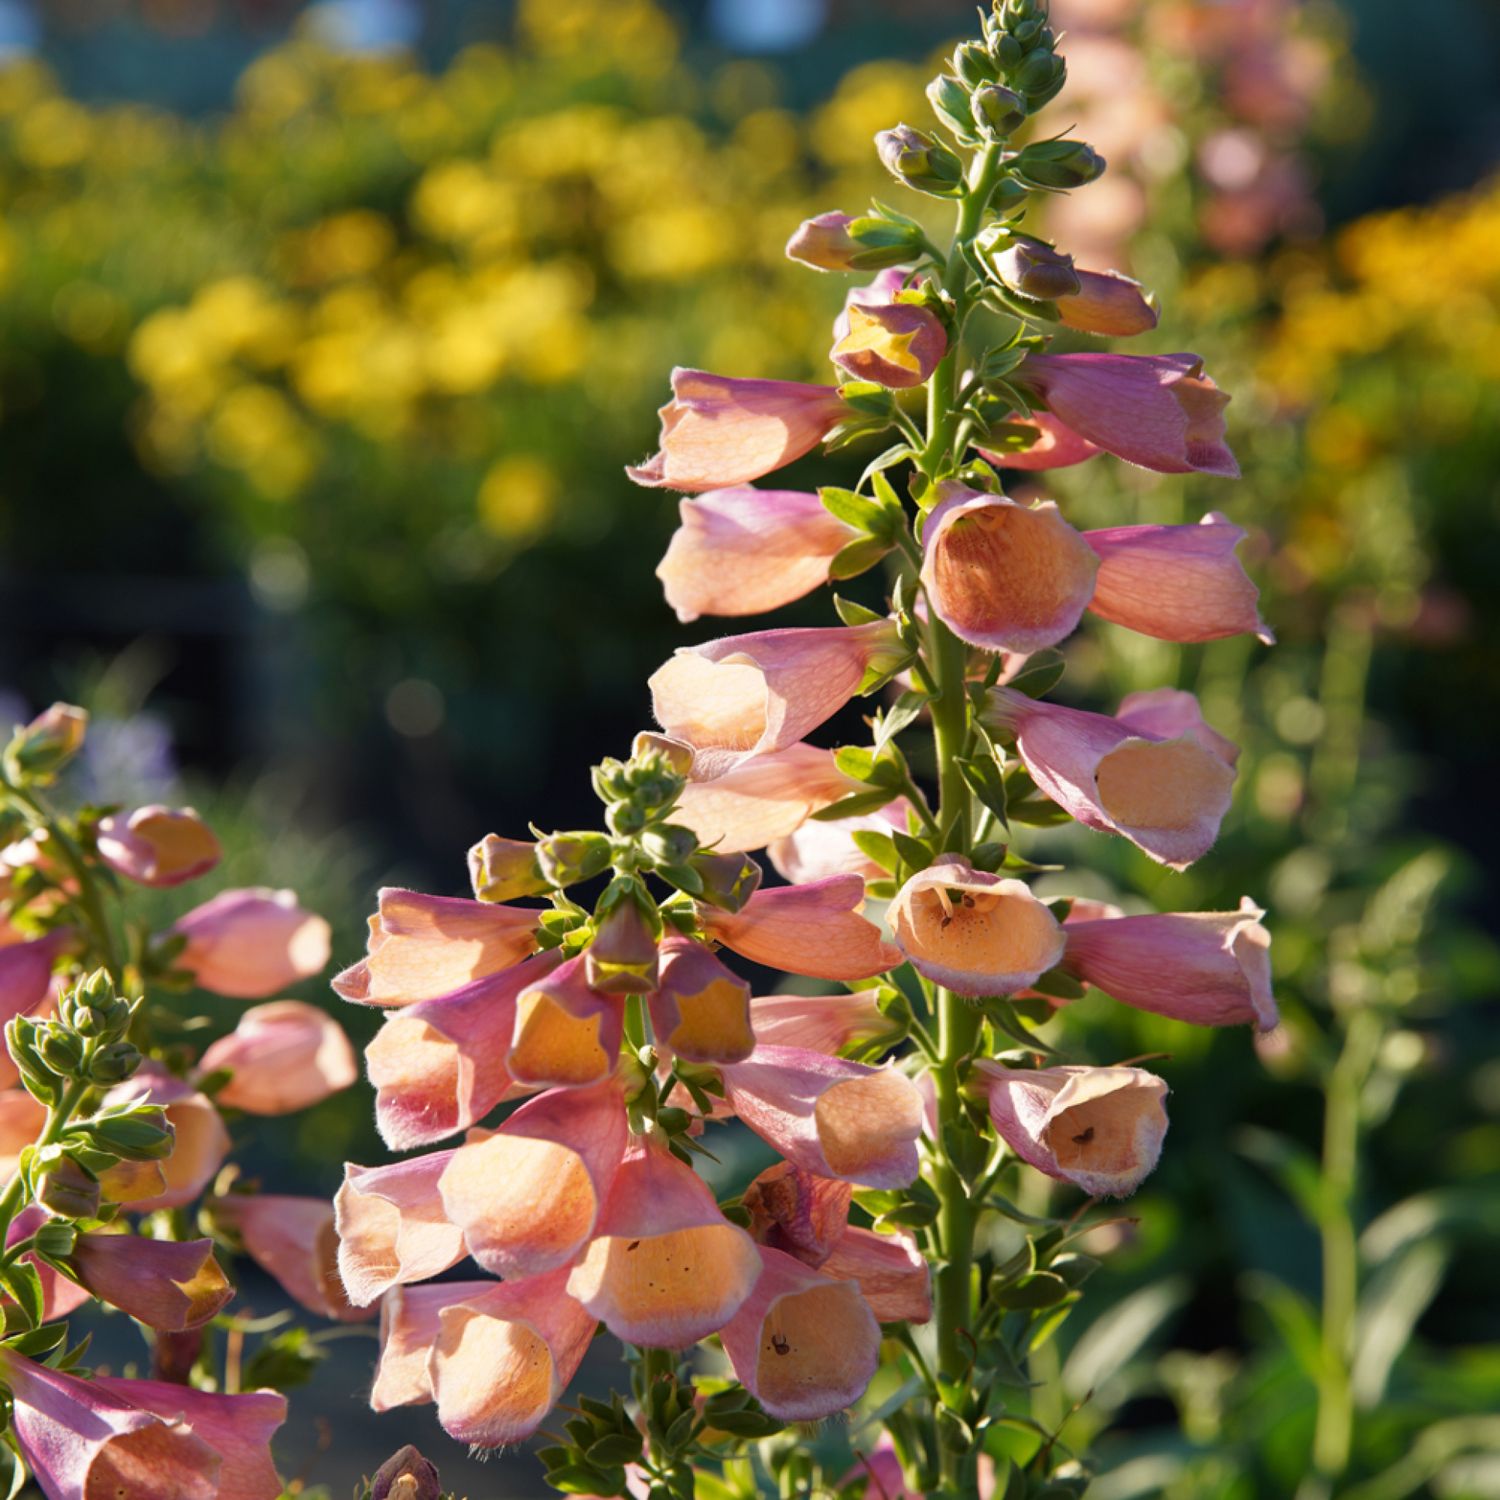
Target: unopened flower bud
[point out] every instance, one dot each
(1032, 268)
(69, 1191)
(998, 111)
(141, 1135)
(824, 243)
(670, 844)
(622, 959)
(674, 755)
(114, 1063)
(504, 869)
(897, 344)
(920, 160)
(626, 818)
(950, 103)
(406, 1475)
(729, 880)
(60, 1049)
(40, 749)
(974, 65)
(1059, 164)
(567, 858)
(158, 846)
(57, 1239)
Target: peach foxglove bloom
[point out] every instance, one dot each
(200, 1140)
(169, 1285)
(1099, 1128)
(1109, 304)
(440, 1066)
(825, 244)
(422, 947)
(763, 799)
(892, 1275)
(746, 551)
(898, 345)
(393, 1227)
(717, 431)
(22, 1120)
(1159, 411)
(160, 846)
(410, 1319)
(565, 1035)
(294, 1240)
(1177, 583)
(803, 1344)
(248, 944)
(1053, 445)
(503, 1357)
(814, 930)
(1211, 968)
(1166, 793)
(1004, 576)
(504, 869)
(26, 972)
(284, 1057)
(527, 1197)
(830, 1116)
(701, 1011)
(798, 1212)
(819, 849)
(747, 695)
(665, 1267)
(975, 933)
(881, 292)
(816, 1023)
(237, 1428)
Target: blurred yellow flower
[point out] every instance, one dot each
(517, 497)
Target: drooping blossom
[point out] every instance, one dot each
(158, 846)
(1166, 792)
(294, 1240)
(528, 1196)
(1159, 411)
(816, 1023)
(1177, 583)
(828, 1115)
(421, 947)
(820, 848)
(248, 944)
(1210, 968)
(975, 933)
(504, 869)
(26, 971)
(762, 799)
(748, 695)
(1005, 576)
(1049, 444)
(565, 1034)
(718, 431)
(283, 1057)
(814, 930)
(439, 1066)
(168, 1285)
(665, 1267)
(1099, 1128)
(393, 1227)
(746, 551)
(200, 1141)
(897, 345)
(803, 1344)
(701, 1009)
(824, 243)
(1109, 304)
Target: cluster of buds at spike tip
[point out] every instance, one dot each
(39, 750)
(83, 1043)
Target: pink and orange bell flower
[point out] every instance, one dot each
(763, 799)
(158, 846)
(248, 944)
(282, 1058)
(295, 1240)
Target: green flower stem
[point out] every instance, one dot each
(58, 1117)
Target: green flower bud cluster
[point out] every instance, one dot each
(84, 1044)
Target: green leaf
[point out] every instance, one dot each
(854, 509)
(1390, 1307)
(1036, 813)
(900, 715)
(852, 807)
(985, 781)
(1042, 1290)
(1114, 1338)
(21, 1280)
(1041, 674)
(1060, 985)
(887, 460)
(915, 854)
(36, 1342)
(616, 1448)
(856, 762)
(854, 614)
(877, 846)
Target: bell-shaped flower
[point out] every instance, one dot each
(1159, 411)
(200, 1141)
(503, 1357)
(897, 345)
(892, 1275)
(282, 1057)
(1209, 967)
(26, 972)
(763, 799)
(1042, 442)
(797, 1211)
(505, 869)
(238, 1428)
(393, 1227)
(294, 1240)
(623, 958)
(565, 1035)
(1099, 1128)
(410, 1320)
(975, 933)
(814, 930)
(422, 947)
(1004, 576)
(169, 1285)
(825, 244)
(1177, 583)
(158, 846)
(1108, 304)
(816, 1023)
(665, 1267)
(1165, 792)
(830, 1116)
(717, 431)
(820, 848)
(701, 1010)
(439, 1066)
(527, 1198)
(747, 695)
(803, 1344)
(879, 292)
(746, 551)
(250, 943)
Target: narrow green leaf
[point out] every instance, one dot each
(854, 614)
(852, 807)
(1041, 674)
(878, 847)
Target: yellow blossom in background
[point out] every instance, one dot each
(517, 497)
